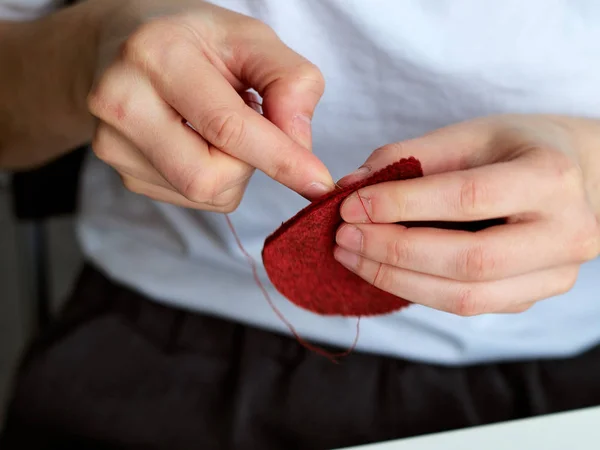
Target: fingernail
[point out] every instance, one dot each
(356, 209)
(302, 130)
(350, 237)
(316, 190)
(361, 172)
(358, 175)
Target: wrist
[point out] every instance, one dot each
(49, 68)
(85, 22)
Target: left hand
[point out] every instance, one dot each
(540, 173)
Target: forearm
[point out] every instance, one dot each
(47, 70)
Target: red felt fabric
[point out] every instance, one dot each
(298, 257)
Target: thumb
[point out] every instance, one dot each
(290, 85)
(248, 54)
(448, 149)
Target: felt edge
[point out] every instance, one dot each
(350, 188)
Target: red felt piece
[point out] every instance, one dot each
(298, 257)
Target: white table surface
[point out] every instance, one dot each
(573, 430)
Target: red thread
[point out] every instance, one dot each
(370, 220)
(320, 351)
(377, 274)
(364, 208)
(299, 258)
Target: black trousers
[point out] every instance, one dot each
(117, 371)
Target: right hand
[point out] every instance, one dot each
(164, 63)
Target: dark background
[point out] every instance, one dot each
(16, 303)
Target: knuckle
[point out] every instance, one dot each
(472, 194)
(567, 175)
(586, 241)
(222, 189)
(100, 98)
(561, 176)
(465, 303)
(132, 184)
(140, 48)
(475, 263)
(399, 252)
(109, 100)
(198, 188)
(224, 130)
(227, 202)
(311, 74)
(102, 147)
(567, 280)
(572, 178)
(131, 47)
(390, 203)
(157, 45)
(95, 100)
(284, 169)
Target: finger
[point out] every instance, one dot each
(118, 152)
(207, 100)
(192, 166)
(487, 192)
(226, 202)
(518, 309)
(495, 253)
(290, 85)
(452, 148)
(250, 99)
(464, 299)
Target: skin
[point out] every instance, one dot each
(166, 83)
(160, 87)
(541, 173)
(42, 117)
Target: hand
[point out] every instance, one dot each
(540, 173)
(164, 65)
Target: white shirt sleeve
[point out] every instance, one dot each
(26, 9)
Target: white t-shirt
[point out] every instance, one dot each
(26, 9)
(394, 70)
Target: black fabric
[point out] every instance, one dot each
(117, 371)
(50, 190)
